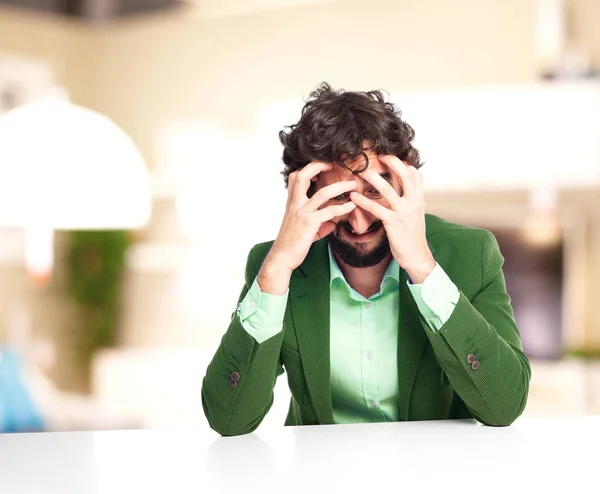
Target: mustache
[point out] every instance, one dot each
(345, 225)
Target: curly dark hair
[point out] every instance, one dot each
(334, 124)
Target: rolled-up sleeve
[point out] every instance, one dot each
(436, 297)
(261, 314)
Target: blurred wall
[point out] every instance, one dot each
(225, 68)
(142, 72)
(584, 22)
(63, 43)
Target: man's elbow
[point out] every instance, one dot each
(225, 426)
(229, 430)
(511, 410)
(504, 421)
(225, 431)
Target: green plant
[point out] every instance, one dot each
(95, 265)
(586, 353)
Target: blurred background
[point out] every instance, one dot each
(139, 162)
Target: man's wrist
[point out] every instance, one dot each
(274, 278)
(419, 272)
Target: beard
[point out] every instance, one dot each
(357, 255)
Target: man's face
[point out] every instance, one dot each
(359, 239)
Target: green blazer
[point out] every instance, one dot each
(437, 379)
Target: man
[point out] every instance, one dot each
(376, 310)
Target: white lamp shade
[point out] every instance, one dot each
(67, 167)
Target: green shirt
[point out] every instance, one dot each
(363, 336)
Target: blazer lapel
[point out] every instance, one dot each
(412, 341)
(309, 303)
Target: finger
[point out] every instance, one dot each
(290, 187)
(330, 212)
(303, 176)
(329, 192)
(372, 207)
(418, 179)
(324, 230)
(383, 186)
(401, 170)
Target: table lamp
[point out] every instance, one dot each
(65, 167)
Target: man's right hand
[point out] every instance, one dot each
(303, 223)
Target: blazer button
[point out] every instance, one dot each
(475, 365)
(232, 383)
(471, 358)
(235, 376)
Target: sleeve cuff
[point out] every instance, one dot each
(261, 314)
(436, 297)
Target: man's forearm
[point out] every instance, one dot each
(237, 390)
(490, 375)
(261, 314)
(479, 347)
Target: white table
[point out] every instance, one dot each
(532, 455)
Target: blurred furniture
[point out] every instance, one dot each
(18, 410)
(162, 388)
(532, 455)
(567, 387)
(96, 11)
(30, 401)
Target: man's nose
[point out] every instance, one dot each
(360, 220)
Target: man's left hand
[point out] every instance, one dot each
(404, 219)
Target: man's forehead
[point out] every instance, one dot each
(341, 173)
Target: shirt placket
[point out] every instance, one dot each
(369, 359)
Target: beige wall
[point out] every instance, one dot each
(584, 15)
(145, 72)
(224, 69)
(62, 43)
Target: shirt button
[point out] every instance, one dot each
(235, 376)
(471, 358)
(373, 404)
(369, 354)
(252, 305)
(367, 305)
(475, 365)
